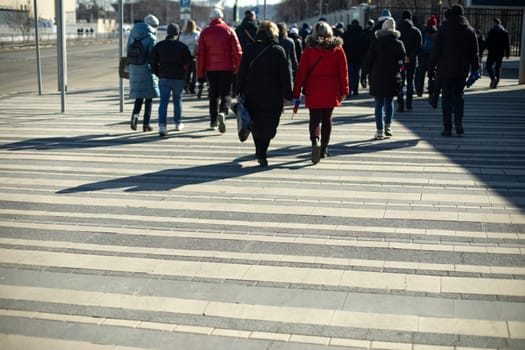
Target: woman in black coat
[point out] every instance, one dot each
(265, 81)
(382, 65)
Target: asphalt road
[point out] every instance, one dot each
(89, 66)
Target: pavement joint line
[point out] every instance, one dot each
(261, 257)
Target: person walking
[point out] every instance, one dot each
(297, 40)
(288, 45)
(429, 35)
(355, 47)
(454, 53)
(169, 59)
(265, 82)
(382, 67)
(411, 38)
(498, 46)
(190, 37)
(218, 59)
(247, 29)
(323, 72)
(143, 85)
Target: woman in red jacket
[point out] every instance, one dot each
(323, 71)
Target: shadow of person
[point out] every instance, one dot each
(169, 179)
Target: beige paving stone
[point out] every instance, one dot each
(166, 327)
(270, 336)
(379, 345)
(481, 328)
(516, 329)
(356, 343)
(231, 333)
(308, 339)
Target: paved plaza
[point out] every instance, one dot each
(112, 239)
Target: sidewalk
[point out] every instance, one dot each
(114, 239)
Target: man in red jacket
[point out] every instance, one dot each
(218, 60)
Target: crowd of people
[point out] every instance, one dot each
(269, 65)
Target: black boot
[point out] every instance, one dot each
(316, 150)
(324, 150)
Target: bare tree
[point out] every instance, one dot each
(21, 20)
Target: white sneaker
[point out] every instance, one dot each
(179, 127)
(162, 130)
(222, 125)
(379, 135)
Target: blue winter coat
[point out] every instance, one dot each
(142, 82)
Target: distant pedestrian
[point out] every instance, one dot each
(498, 46)
(382, 67)
(218, 59)
(412, 40)
(305, 31)
(429, 35)
(294, 35)
(143, 85)
(169, 60)
(323, 71)
(454, 54)
(247, 29)
(368, 33)
(265, 81)
(190, 37)
(288, 45)
(355, 48)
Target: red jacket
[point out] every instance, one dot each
(219, 49)
(328, 81)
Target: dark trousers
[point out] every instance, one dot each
(496, 62)
(452, 101)
(320, 124)
(408, 78)
(261, 146)
(137, 106)
(219, 88)
(191, 77)
(421, 72)
(353, 77)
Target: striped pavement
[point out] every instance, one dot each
(112, 239)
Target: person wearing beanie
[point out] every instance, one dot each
(294, 35)
(498, 46)
(218, 59)
(143, 84)
(454, 56)
(381, 70)
(247, 29)
(412, 39)
(385, 14)
(429, 35)
(169, 60)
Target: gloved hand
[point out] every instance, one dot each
(296, 104)
(363, 81)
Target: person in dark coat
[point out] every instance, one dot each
(429, 35)
(411, 38)
(368, 34)
(247, 29)
(169, 60)
(354, 47)
(288, 45)
(498, 46)
(143, 84)
(454, 54)
(381, 65)
(265, 81)
(298, 41)
(305, 31)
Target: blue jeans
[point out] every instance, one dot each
(167, 87)
(386, 105)
(452, 101)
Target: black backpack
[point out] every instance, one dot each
(136, 53)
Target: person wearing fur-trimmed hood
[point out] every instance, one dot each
(323, 71)
(382, 67)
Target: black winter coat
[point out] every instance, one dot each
(246, 32)
(498, 42)
(265, 85)
(455, 50)
(382, 63)
(411, 38)
(170, 58)
(354, 44)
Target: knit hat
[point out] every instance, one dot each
(216, 13)
(407, 14)
(456, 10)
(389, 25)
(151, 20)
(294, 31)
(432, 21)
(386, 13)
(173, 29)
